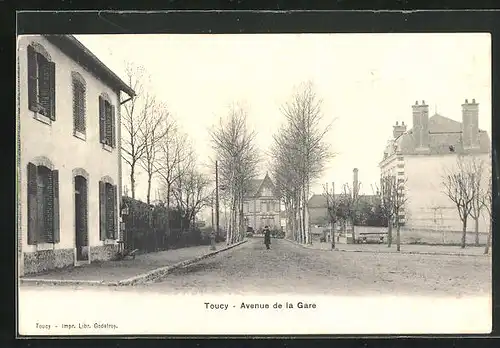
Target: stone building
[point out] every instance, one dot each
(68, 154)
(421, 156)
(261, 206)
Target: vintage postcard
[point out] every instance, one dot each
(258, 184)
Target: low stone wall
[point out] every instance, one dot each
(103, 252)
(429, 236)
(45, 260)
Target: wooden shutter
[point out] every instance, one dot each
(32, 81)
(102, 120)
(44, 85)
(84, 202)
(115, 215)
(113, 126)
(109, 124)
(52, 90)
(102, 210)
(56, 236)
(32, 204)
(48, 196)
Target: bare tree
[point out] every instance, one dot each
(300, 148)
(238, 158)
(192, 193)
(487, 202)
(348, 205)
(387, 184)
(156, 127)
(333, 206)
(478, 192)
(458, 186)
(393, 199)
(175, 151)
(133, 119)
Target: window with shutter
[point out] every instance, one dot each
(110, 215)
(79, 106)
(41, 84)
(102, 210)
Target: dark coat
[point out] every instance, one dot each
(267, 237)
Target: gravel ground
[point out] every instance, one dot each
(288, 268)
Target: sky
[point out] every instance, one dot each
(366, 83)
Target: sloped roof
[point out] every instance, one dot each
(255, 185)
(443, 133)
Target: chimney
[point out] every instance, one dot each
(355, 182)
(470, 124)
(398, 129)
(421, 125)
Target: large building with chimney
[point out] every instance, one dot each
(421, 156)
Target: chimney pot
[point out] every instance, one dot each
(423, 102)
(466, 101)
(403, 123)
(397, 123)
(416, 102)
(473, 101)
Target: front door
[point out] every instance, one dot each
(81, 235)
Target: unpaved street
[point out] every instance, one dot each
(292, 269)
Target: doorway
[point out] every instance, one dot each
(81, 231)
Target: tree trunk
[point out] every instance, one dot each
(305, 239)
(464, 233)
(488, 239)
(167, 225)
(476, 229)
(332, 236)
(353, 231)
(398, 237)
(389, 233)
(148, 197)
(132, 181)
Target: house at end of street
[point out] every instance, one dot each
(261, 205)
(68, 154)
(421, 156)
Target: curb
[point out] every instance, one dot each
(65, 282)
(141, 278)
(390, 252)
(162, 271)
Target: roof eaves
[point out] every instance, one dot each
(69, 42)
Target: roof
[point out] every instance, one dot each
(255, 185)
(443, 133)
(82, 55)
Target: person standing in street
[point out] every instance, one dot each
(267, 237)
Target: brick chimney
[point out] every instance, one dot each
(470, 124)
(398, 129)
(355, 182)
(421, 125)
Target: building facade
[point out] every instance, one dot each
(261, 207)
(68, 154)
(421, 156)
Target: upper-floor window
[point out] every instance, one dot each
(79, 103)
(106, 121)
(41, 82)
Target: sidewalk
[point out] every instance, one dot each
(405, 249)
(112, 272)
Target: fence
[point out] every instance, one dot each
(146, 228)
